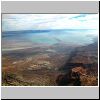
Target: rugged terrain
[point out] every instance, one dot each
(84, 62)
(59, 64)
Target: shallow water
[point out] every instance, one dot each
(27, 39)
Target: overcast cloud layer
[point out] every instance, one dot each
(14, 22)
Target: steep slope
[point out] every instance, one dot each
(83, 62)
(86, 54)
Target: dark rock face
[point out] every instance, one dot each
(63, 80)
(70, 78)
(79, 76)
(77, 81)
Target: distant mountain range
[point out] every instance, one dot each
(41, 31)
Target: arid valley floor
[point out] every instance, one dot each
(56, 65)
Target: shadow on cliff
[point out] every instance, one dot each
(69, 79)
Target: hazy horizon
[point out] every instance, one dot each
(24, 30)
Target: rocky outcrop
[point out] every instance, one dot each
(72, 78)
(77, 76)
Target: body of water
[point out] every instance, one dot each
(18, 39)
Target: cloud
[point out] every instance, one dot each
(14, 22)
(78, 16)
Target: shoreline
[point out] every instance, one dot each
(12, 49)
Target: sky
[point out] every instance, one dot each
(86, 28)
(16, 22)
